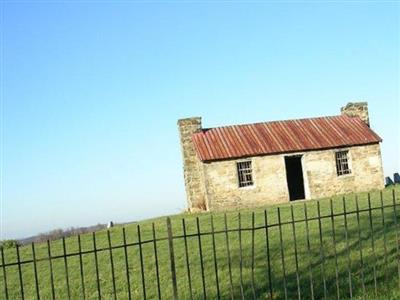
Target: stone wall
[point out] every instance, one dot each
(270, 185)
(366, 171)
(192, 166)
(359, 109)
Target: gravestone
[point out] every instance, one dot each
(396, 178)
(388, 181)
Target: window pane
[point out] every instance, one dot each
(342, 165)
(244, 173)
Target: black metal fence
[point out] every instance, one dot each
(338, 249)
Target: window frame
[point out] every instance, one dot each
(343, 163)
(242, 173)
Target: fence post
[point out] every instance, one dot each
(215, 257)
(187, 258)
(96, 264)
(201, 258)
(156, 259)
(126, 263)
(321, 249)
(372, 244)
(384, 236)
(396, 231)
(240, 255)
(111, 264)
(172, 258)
(310, 266)
(268, 255)
(141, 262)
(252, 253)
(81, 267)
(35, 272)
(51, 270)
(21, 284)
(360, 247)
(228, 255)
(66, 268)
(295, 253)
(4, 272)
(347, 247)
(332, 215)
(282, 253)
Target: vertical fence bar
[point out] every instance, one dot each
(96, 264)
(4, 273)
(397, 233)
(321, 249)
(53, 294)
(346, 235)
(334, 250)
(128, 282)
(240, 256)
(111, 264)
(384, 237)
(309, 252)
(252, 254)
(81, 266)
(372, 244)
(201, 258)
(172, 259)
(295, 253)
(228, 252)
(35, 271)
(141, 261)
(156, 260)
(66, 268)
(282, 254)
(268, 255)
(360, 247)
(21, 284)
(187, 258)
(215, 256)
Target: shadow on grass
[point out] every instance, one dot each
(345, 275)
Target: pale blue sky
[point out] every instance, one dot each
(91, 94)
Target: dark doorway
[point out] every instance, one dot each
(294, 176)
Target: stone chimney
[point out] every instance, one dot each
(359, 109)
(192, 166)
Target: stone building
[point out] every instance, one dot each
(280, 161)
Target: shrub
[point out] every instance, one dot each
(6, 244)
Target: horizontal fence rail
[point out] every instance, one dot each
(330, 249)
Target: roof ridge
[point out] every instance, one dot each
(275, 121)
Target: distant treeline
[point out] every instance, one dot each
(60, 233)
(52, 235)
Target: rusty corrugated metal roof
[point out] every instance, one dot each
(282, 137)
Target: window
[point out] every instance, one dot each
(342, 163)
(245, 175)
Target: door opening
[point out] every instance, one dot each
(294, 177)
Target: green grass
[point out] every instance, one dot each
(386, 268)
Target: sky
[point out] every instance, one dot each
(91, 93)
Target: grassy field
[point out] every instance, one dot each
(384, 261)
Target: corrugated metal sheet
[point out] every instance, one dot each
(282, 137)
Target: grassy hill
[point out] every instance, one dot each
(384, 260)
